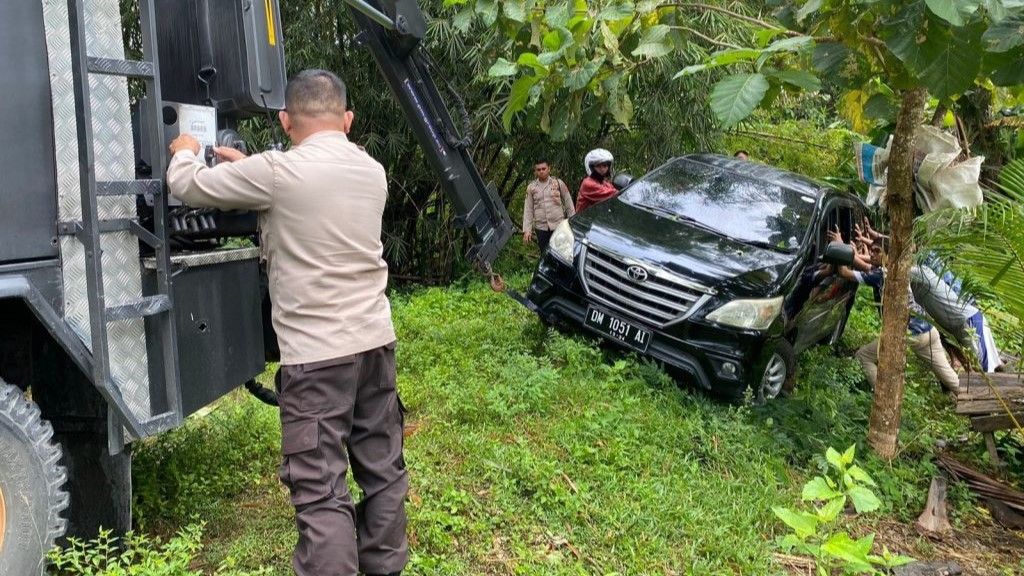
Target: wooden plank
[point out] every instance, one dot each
(995, 422)
(1005, 515)
(1003, 379)
(993, 454)
(979, 405)
(1010, 400)
(934, 518)
(980, 387)
(982, 407)
(981, 393)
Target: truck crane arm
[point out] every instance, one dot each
(393, 31)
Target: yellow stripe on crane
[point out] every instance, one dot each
(271, 31)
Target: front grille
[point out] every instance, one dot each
(661, 299)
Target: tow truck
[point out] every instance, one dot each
(123, 311)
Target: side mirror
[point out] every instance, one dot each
(838, 254)
(620, 181)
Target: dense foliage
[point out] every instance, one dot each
(803, 146)
(463, 44)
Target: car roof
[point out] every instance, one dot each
(763, 172)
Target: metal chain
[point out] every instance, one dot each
(496, 281)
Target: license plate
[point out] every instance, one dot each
(618, 329)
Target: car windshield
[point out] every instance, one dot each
(742, 208)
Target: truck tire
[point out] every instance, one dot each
(32, 494)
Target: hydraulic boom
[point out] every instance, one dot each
(393, 31)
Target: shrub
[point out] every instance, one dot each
(815, 531)
(137, 555)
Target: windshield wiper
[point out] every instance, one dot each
(698, 224)
(676, 217)
(763, 244)
(658, 210)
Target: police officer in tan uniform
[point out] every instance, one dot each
(321, 205)
(547, 203)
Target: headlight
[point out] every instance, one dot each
(562, 242)
(751, 314)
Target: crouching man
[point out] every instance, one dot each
(923, 338)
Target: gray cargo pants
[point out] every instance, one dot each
(330, 408)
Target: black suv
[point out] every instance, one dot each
(709, 264)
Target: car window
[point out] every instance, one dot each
(841, 217)
(733, 205)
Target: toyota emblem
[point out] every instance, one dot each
(637, 273)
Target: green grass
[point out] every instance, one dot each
(533, 452)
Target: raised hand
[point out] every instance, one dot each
(834, 235)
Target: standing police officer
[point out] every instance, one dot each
(547, 203)
(321, 205)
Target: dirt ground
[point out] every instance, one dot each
(981, 549)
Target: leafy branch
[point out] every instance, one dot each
(731, 14)
(707, 39)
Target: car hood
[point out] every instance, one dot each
(686, 249)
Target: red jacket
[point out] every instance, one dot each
(593, 192)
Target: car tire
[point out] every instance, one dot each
(32, 494)
(779, 375)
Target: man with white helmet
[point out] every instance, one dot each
(597, 186)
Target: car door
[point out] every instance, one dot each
(821, 301)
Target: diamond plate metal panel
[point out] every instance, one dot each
(65, 138)
(114, 160)
(129, 188)
(209, 258)
(121, 67)
(58, 44)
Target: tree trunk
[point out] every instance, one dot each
(884, 425)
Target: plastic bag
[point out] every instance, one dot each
(933, 163)
(931, 140)
(957, 186)
(939, 182)
(872, 162)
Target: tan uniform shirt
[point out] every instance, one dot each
(547, 204)
(321, 205)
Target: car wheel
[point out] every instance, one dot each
(779, 373)
(32, 494)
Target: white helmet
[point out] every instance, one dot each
(597, 156)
